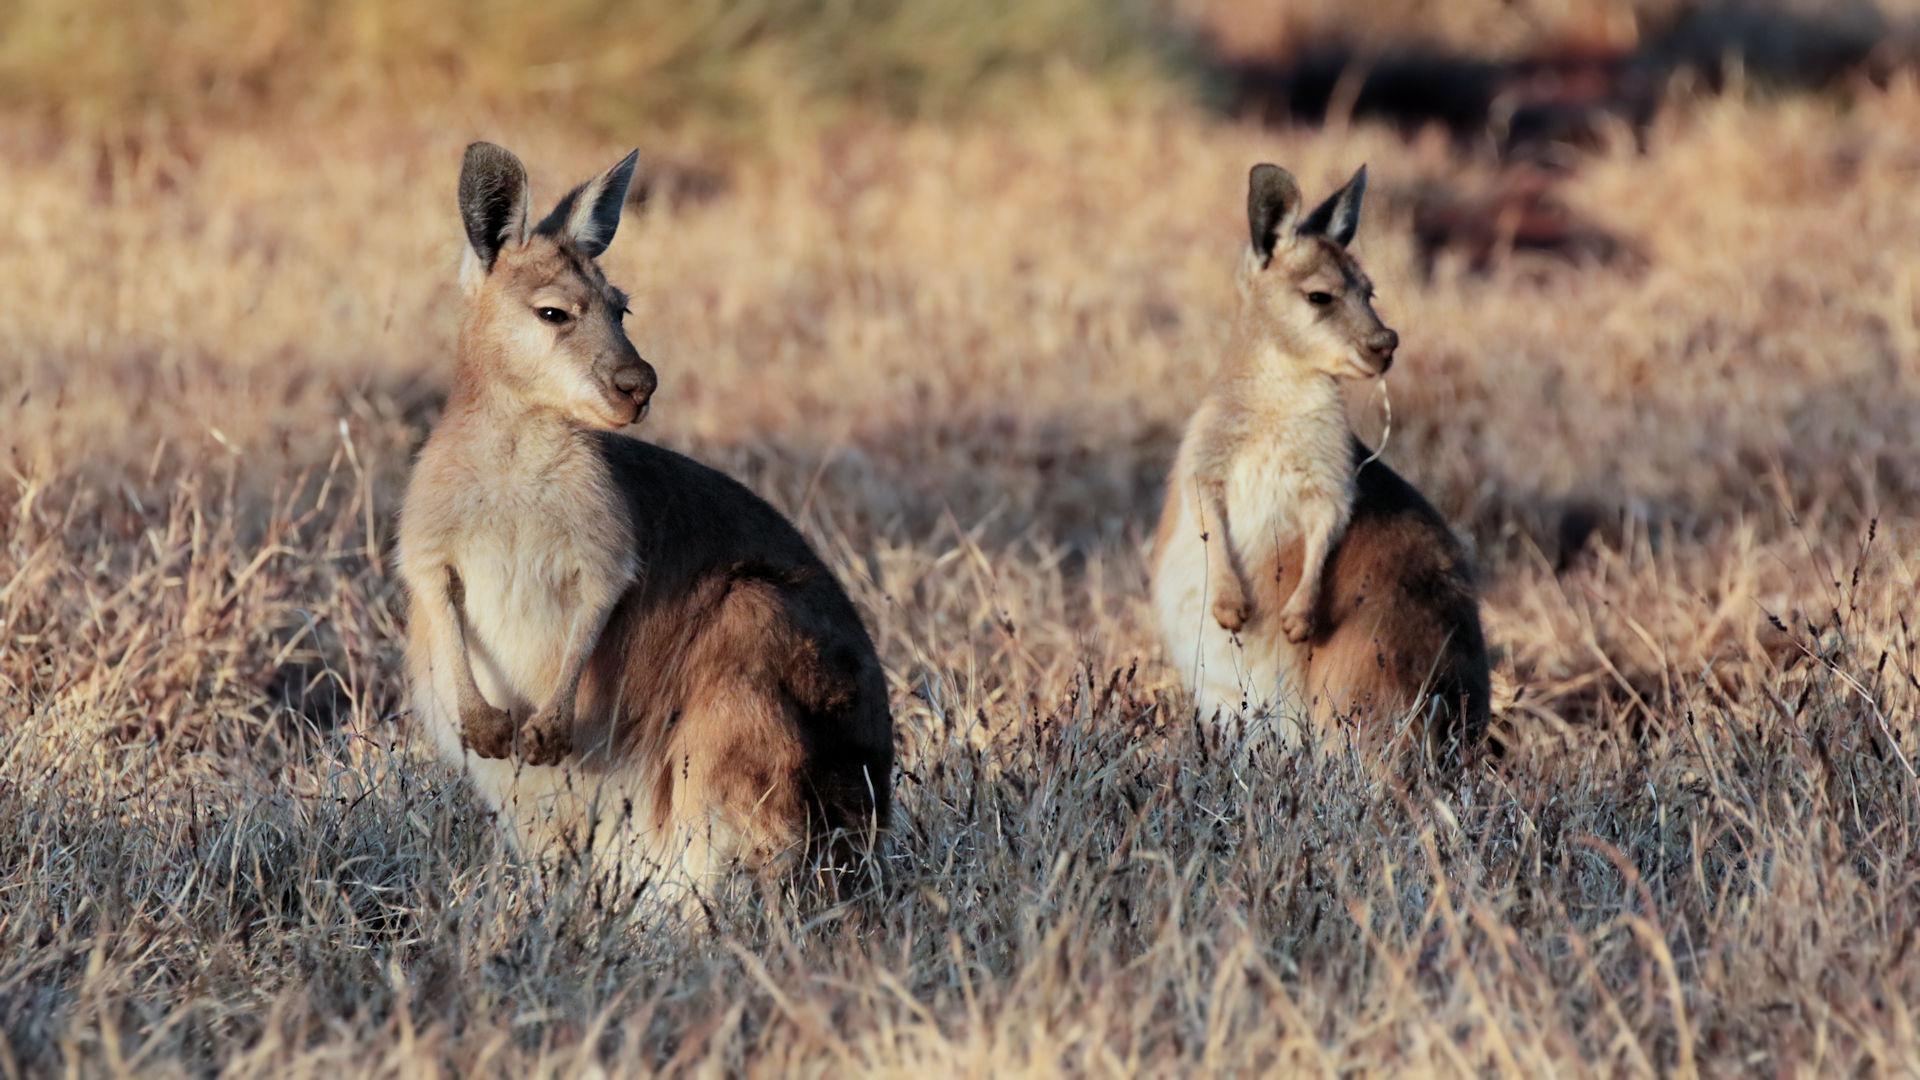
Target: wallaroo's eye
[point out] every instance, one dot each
(625, 311)
(552, 314)
(1319, 299)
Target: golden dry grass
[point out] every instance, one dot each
(744, 66)
(960, 357)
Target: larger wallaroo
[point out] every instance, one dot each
(1296, 579)
(637, 660)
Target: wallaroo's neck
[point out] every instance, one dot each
(501, 421)
(1261, 372)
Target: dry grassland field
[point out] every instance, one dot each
(958, 348)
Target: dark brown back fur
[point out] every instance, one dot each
(1400, 618)
(734, 605)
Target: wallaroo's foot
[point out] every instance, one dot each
(1231, 612)
(487, 731)
(1297, 624)
(545, 739)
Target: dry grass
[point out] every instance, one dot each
(960, 358)
(749, 66)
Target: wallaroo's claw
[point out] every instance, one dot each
(488, 732)
(544, 742)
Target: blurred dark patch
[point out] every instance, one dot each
(415, 401)
(1519, 214)
(672, 182)
(1536, 114)
(1578, 523)
(1779, 49)
(1411, 88)
(1531, 109)
(1539, 106)
(308, 691)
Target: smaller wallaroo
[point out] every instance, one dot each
(637, 661)
(1297, 580)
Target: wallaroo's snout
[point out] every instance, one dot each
(1381, 345)
(636, 381)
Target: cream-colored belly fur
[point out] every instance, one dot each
(1230, 675)
(1256, 673)
(525, 567)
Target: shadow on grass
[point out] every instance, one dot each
(1069, 490)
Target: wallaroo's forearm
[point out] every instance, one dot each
(1323, 531)
(1299, 615)
(484, 728)
(1313, 565)
(1216, 528)
(452, 623)
(1230, 607)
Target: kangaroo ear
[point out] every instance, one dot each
(1338, 218)
(591, 212)
(1273, 202)
(493, 201)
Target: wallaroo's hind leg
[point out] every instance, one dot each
(736, 792)
(733, 793)
(781, 756)
(1404, 712)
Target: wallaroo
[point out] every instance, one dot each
(1297, 579)
(637, 661)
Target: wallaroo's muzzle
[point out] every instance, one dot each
(635, 382)
(1380, 346)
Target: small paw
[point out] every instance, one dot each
(1231, 612)
(545, 739)
(1297, 623)
(487, 731)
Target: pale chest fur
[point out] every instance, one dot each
(533, 547)
(1279, 462)
(1285, 464)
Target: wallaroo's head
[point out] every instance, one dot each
(542, 321)
(1301, 286)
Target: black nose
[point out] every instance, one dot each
(636, 380)
(1381, 345)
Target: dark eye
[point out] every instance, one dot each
(1319, 299)
(552, 314)
(624, 312)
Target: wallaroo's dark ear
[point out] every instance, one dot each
(1273, 201)
(590, 213)
(493, 200)
(1338, 218)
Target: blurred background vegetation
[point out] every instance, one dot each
(654, 62)
(738, 66)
